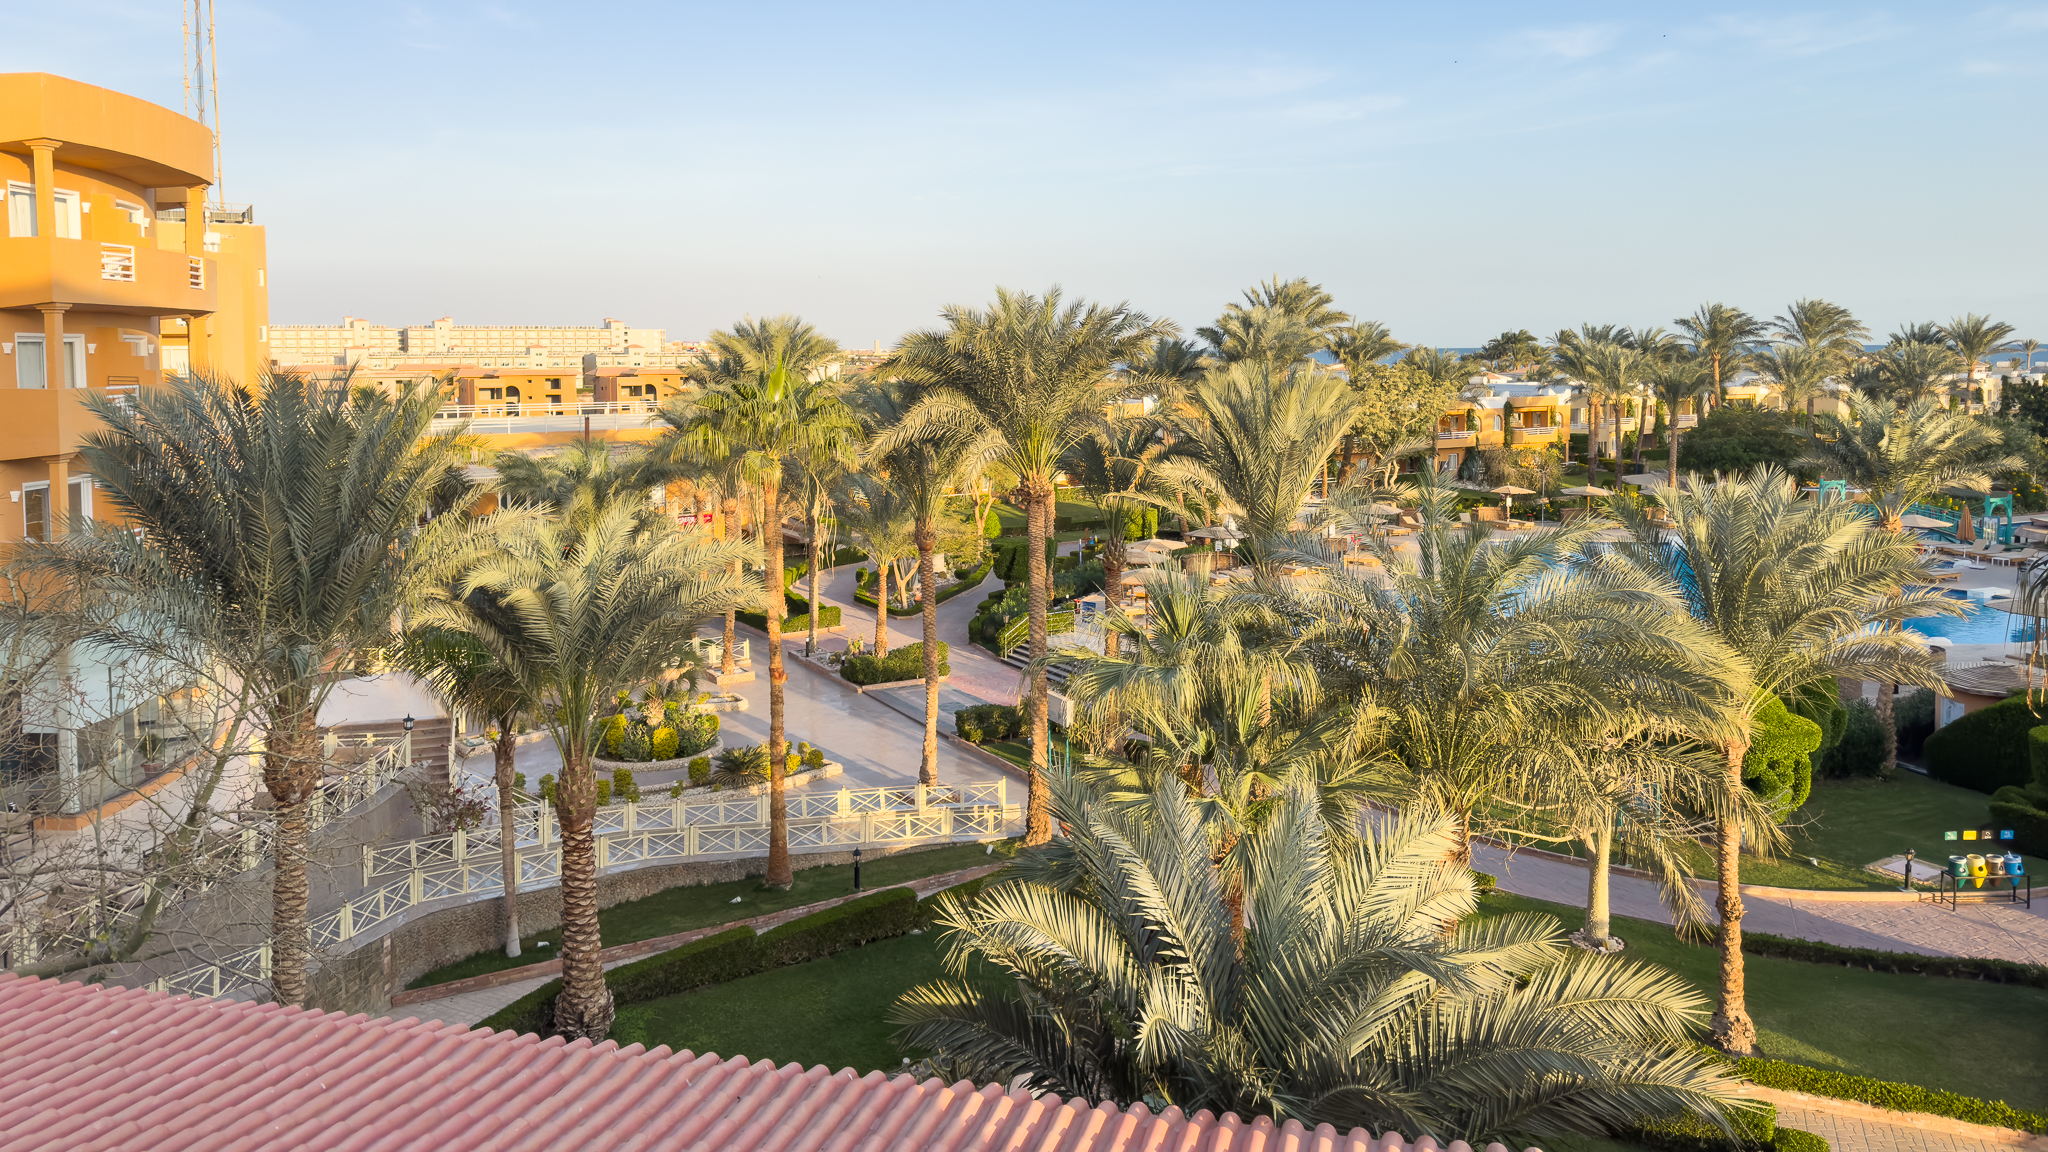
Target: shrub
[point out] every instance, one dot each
(1755, 1126)
(1483, 883)
(728, 955)
(1913, 719)
(885, 914)
(663, 745)
(1984, 750)
(985, 722)
(614, 730)
(814, 759)
(905, 663)
(700, 770)
(547, 787)
(1797, 1140)
(1910, 963)
(1861, 750)
(740, 766)
(624, 786)
(1779, 765)
(604, 793)
(1886, 1094)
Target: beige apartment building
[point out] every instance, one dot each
(446, 343)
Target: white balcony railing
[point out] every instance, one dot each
(117, 262)
(508, 417)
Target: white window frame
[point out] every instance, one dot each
(68, 207)
(28, 193)
(136, 213)
(71, 379)
(42, 486)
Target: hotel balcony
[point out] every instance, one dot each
(1687, 420)
(1532, 435)
(515, 418)
(1456, 439)
(36, 422)
(88, 274)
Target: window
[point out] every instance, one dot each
(70, 221)
(35, 508)
(21, 209)
(136, 214)
(31, 365)
(259, 277)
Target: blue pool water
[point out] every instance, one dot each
(1983, 625)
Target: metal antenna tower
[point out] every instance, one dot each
(202, 76)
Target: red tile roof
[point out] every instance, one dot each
(91, 1067)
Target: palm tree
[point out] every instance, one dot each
(463, 670)
(1574, 354)
(1510, 350)
(1358, 999)
(811, 479)
(1440, 364)
(923, 469)
(1260, 440)
(1792, 588)
(1911, 369)
(779, 409)
(281, 529)
(1974, 337)
(1901, 457)
(576, 613)
(1721, 334)
(1477, 652)
(878, 518)
(1613, 369)
(1672, 384)
(1360, 344)
(1037, 373)
(2027, 349)
(1119, 466)
(1798, 371)
(1278, 323)
(1821, 326)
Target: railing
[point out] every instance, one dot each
(1015, 632)
(629, 836)
(1456, 434)
(117, 262)
(509, 416)
(195, 273)
(711, 653)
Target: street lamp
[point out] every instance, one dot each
(407, 721)
(856, 869)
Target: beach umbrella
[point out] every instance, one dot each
(1966, 532)
(1641, 478)
(1916, 520)
(1508, 492)
(1588, 491)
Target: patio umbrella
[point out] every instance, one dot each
(1966, 532)
(1508, 492)
(1588, 491)
(1641, 478)
(1916, 520)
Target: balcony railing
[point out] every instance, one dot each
(508, 417)
(1456, 434)
(117, 262)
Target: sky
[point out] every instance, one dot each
(1452, 170)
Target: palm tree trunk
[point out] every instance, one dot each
(1592, 438)
(728, 664)
(1671, 447)
(1038, 496)
(780, 873)
(1732, 1030)
(927, 584)
(1888, 725)
(1113, 575)
(508, 858)
(291, 774)
(881, 607)
(817, 556)
(584, 1006)
(1599, 921)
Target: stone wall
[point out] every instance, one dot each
(395, 954)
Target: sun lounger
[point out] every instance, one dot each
(1948, 575)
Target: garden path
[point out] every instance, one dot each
(1993, 931)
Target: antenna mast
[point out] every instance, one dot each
(202, 77)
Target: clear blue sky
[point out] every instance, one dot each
(1451, 169)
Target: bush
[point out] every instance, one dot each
(1913, 719)
(814, 759)
(1779, 765)
(663, 744)
(1985, 750)
(624, 786)
(1909, 963)
(1737, 439)
(604, 793)
(1755, 1126)
(985, 722)
(547, 787)
(888, 913)
(905, 663)
(610, 735)
(1886, 1094)
(728, 955)
(1483, 883)
(1797, 1140)
(1861, 750)
(700, 770)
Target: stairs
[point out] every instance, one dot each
(1055, 675)
(430, 739)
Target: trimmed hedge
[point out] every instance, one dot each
(1797, 1140)
(1909, 963)
(733, 953)
(1985, 750)
(984, 722)
(1755, 1127)
(828, 617)
(905, 663)
(973, 580)
(1886, 1094)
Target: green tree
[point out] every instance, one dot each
(578, 613)
(1119, 465)
(1974, 337)
(777, 409)
(878, 518)
(1900, 457)
(1260, 439)
(1357, 997)
(1396, 414)
(1672, 384)
(1791, 588)
(1281, 324)
(1911, 370)
(1512, 350)
(280, 528)
(1360, 345)
(1036, 372)
(1798, 371)
(1721, 335)
(1824, 327)
(1736, 439)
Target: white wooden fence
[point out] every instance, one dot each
(630, 836)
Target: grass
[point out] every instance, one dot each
(1983, 1040)
(832, 1011)
(708, 905)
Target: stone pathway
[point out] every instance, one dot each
(1852, 1126)
(1994, 931)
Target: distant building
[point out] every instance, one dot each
(449, 344)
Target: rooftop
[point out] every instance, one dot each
(96, 1067)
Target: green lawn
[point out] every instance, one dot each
(686, 909)
(832, 1011)
(1978, 1039)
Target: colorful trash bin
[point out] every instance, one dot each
(1978, 870)
(2014, 866)
(1959, 867)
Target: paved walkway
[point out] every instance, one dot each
(1852, 1126)
(1994, 931)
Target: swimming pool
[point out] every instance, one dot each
(1983, 625)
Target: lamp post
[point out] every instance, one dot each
(856, 869)
(1908, 885)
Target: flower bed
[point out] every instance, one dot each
(657, 730)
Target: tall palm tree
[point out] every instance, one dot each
(576, 613)
(1278, 323)
(1791, 588)
(1361, 1000)
(1120, 468)
(1829, 329)
(1360, 344)
(1261, 440)
(1510, 350)
(1902, 456)
(1798, 371)
(2028, 349)
(880, 519)
(462, 669)
(1574, 354)
(1036, 372)
(1911, 369)
(811, 478)
(1613, 369)
(1974, 337)
(778, 410)
(280, 527)
(1672, 384)
(1721, 334)
(923, 469)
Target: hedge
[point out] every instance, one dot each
(905, 663)
(1909, 963)
(1755, 1127)
(1797, 1140)
(972, 581)
(1886, 1094)
(828, 617)
(1985, 750)
(984, 722)
(731, 954)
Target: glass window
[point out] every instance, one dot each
(21, 209)
(35, 514)
(70, 224)
(29, 367)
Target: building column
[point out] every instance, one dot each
(60, 496)
(196, 346)
(44, 163)
(53, 344)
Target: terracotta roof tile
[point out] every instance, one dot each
(90, 1067)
